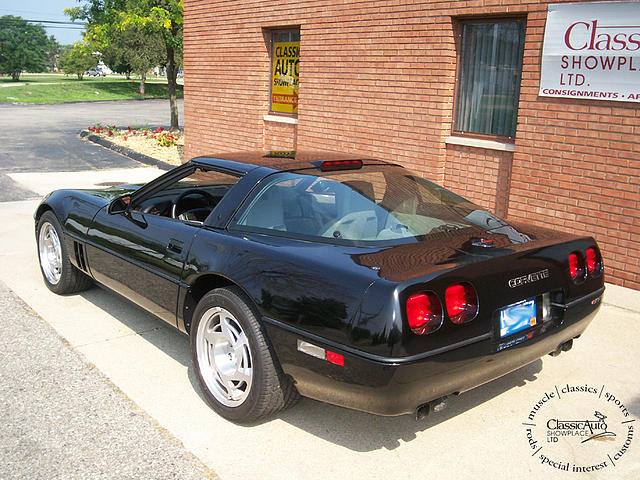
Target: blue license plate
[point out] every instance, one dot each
(518, 316)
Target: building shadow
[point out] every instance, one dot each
(163, 336)
(363, 432)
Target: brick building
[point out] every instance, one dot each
(394, 79)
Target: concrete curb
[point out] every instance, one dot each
(86, 101)
(127, 152)
(622, 297)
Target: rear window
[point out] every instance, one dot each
(371, 206)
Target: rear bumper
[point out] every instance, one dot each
(396, 387)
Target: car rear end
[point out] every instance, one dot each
(463, 324)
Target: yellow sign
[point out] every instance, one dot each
(284, 77)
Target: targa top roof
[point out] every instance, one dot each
(278, 160)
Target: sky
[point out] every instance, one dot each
(45, 10)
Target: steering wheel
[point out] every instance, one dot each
(175, 211)
(445, 227)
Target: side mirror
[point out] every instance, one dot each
(119, 205)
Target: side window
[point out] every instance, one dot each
(489, 73)
(277, 204)
(337, 207)
(192, 198)
(285, 62)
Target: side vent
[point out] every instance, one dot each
(78, 249)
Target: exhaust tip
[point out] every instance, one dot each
(563, 347)
(422, 411)
(435, 406)
(439, 404)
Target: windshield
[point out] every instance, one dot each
(372, 205)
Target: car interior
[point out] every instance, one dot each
(190, 199)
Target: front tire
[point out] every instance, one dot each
(59, 275)
(237, 372)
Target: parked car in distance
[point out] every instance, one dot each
(342, 278)
(94, 72)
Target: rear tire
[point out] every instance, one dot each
(59, 275)
(237, 371)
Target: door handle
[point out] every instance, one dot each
(175, 245)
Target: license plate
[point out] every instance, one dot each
(518, 316)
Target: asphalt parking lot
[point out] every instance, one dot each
(479, 435)
(44, 138)
(63, 419)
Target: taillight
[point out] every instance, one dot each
(329, 165)
(424, 313)
(462, 302)
(576, 267)
(594, 262)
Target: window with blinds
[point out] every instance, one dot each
(490, 69)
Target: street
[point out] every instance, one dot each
(93, 386)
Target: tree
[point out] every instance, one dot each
(161, 18)
(113, 57)
(144, 51)
(128, 47)
(77, 60)
(23, 46)
(53, 52)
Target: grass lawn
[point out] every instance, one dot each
(60, 88)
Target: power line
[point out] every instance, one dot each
(65, 28)
(81, 24)
(29, 11)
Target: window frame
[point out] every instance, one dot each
(161, 185)
(459, 24)
(270, 33)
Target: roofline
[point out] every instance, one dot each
(243, 162)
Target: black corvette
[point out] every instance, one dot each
(341, 278)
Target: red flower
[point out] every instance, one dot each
(125, 138)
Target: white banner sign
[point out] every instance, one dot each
(592, 51)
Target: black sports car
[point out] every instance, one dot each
(341, 278)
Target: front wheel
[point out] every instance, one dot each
(58, 273)
(237, 372)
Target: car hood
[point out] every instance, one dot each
(103, 196)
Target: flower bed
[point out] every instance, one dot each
(157, 143)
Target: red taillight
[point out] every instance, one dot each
(576, 266)
(462, 302)
(329, 165)
(336, 358)
(573, 265)
(424, 313)
(594, 264)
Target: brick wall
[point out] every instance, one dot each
(576, 163)
(379, 77)
(480, 174)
